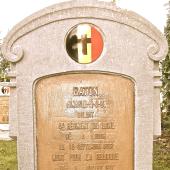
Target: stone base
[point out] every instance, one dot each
(4, 132)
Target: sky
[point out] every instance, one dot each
(14, 11)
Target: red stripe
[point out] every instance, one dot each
(97, 43)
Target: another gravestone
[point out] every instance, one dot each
(4, 109)
(4, 104)
(85, 88)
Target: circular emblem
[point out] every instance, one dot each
(84, 43)
(5, 90)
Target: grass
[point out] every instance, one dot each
(8, 158)
(161, 161)
(162, 154)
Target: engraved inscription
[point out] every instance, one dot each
(85, 121)
(84, 125)
(85, 91)
(114, 156)
(92, 103)
(56, 157)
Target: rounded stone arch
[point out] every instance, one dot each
(59, 12)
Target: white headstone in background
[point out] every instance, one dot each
(4, 110)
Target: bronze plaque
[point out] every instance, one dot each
(85, 122)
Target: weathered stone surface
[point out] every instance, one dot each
(132, 49)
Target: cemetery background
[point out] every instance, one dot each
(161, 145)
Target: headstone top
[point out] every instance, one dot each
(84, 9)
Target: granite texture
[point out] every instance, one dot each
(132, 47)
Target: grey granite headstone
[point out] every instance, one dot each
(100, 113)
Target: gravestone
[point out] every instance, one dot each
(4, 110)
(4, 107)
(4, 104)
(85, 87)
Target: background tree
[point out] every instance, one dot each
(165, 66)
(4, 66)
